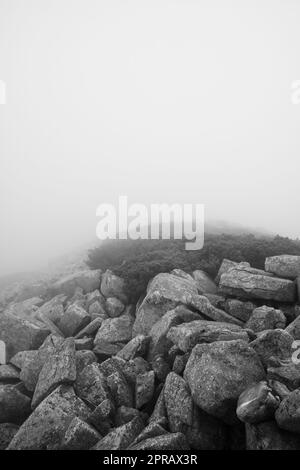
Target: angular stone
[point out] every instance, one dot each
(74, 320)
(136, 347)
(120, 438)
(46, 426)
(59, 368)
(53, 309)
(91, 385)
(240, 283)
(114, 307)
(14, 405)
(104, 350)
(226, 265)
(219, 372)
(288, 413)
(164, 293)
(34, 363)
(125, 414)
(97, 310)
(287, 266)
(187, 335)
(135, 367)
(19, 359)
(102, 417)
(266, 318)
(113, 286)
(257, 404)
(115, 330)
(91, 329)
(80, 436)
(84, 344)
(20, 335)
(144, 388)
(178, 402)
(87, 280)
(159, 412)
(152, 430)
(94, 296)
(273, 343)
(160, 343)
(201, 303)
(83, 359)
(239, 309)
(47, 323)
(120, 389)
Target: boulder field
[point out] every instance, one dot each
(197, 364)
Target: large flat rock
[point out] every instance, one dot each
(240, 283)
(287, 266)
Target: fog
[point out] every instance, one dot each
(163, 101)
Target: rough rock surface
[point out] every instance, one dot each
(266, 318)
(183, 369)
(178, 402)
(294, 328)
(74, 319)
(164, 293)
(35, 361)
(115, 330)
(91, 385)
(59, 368)
(80, 436)
(46, 426)
(120, 438)
(257, 404)
(159, 341)
(219, 372)
(187, 335)
(287, 266)
(241, 283)
(273, 344)
(239, 309)
(113, 286)
(20, 335)
(114, 307)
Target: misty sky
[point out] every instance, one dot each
(162, 101)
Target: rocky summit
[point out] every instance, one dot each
(197, 364)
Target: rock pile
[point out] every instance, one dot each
(197, 364)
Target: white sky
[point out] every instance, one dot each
(162, 101)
